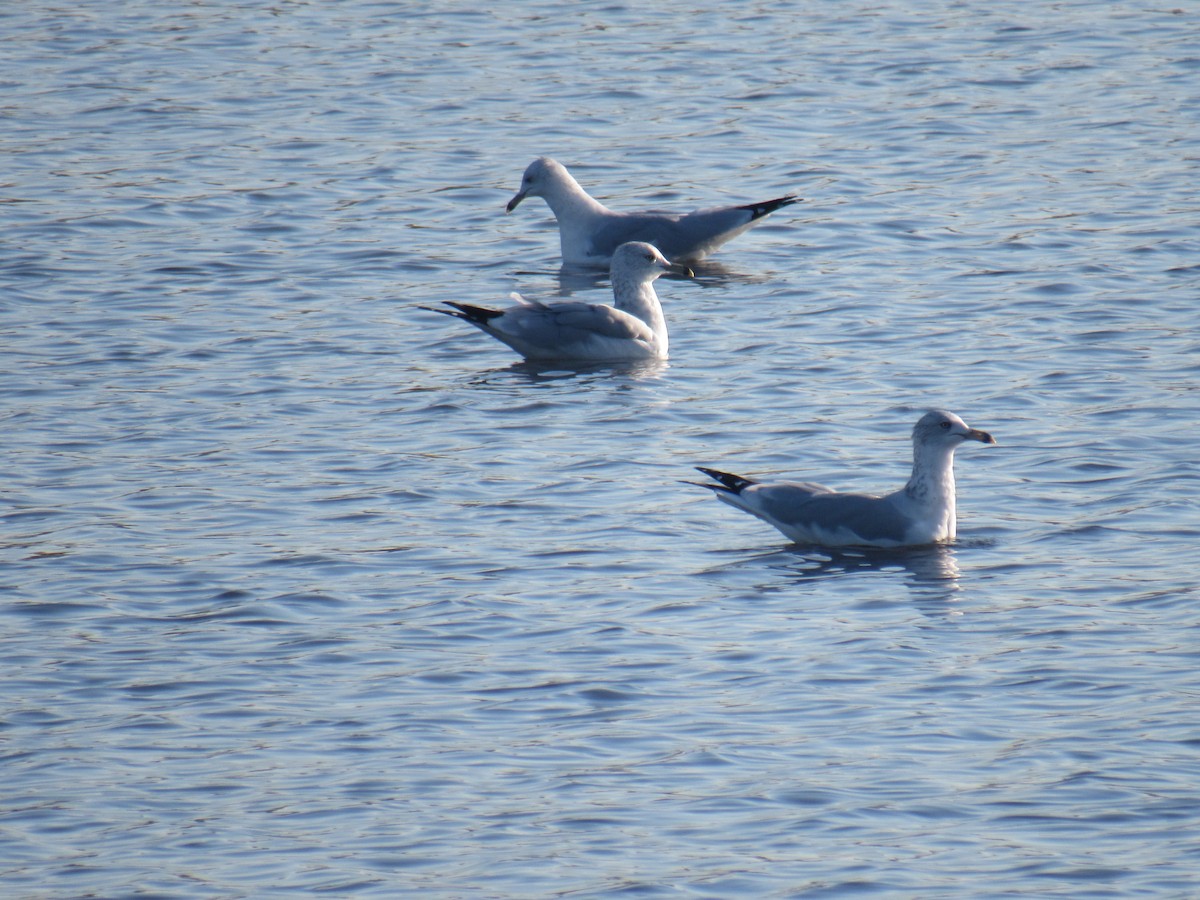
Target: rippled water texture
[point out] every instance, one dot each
(306, 589)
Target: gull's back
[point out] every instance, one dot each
(813, 513)
(679, 237)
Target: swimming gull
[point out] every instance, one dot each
(589, 232)
(632, 328)
(921, 512)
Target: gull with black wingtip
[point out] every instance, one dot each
(922, 512)
(589, 231)
(633, 328)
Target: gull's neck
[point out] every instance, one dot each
(639, 299)
(931, 485)
(577, 214)
(567, 200)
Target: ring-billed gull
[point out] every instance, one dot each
(632, 328)
(589, 232)
(921, 512)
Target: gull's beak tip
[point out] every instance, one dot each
(982, 436)
(679, 268)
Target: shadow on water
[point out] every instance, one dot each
(574, 280)
(932, 574)
(708, 273)
(580, 279)
(548, 371)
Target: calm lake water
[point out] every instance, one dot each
(308, 590)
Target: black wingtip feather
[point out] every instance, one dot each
(758, 210)
(477, 314)
(734, 484)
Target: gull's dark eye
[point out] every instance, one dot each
(944, 424)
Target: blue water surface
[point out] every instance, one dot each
(308, 590)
